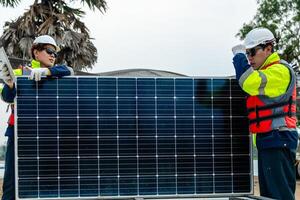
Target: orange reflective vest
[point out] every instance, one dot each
(266, 114)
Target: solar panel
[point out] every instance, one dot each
(131, 137)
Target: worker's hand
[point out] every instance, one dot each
(5, 75)
(238, 49)
(37, 73)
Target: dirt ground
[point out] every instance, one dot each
(256, 188)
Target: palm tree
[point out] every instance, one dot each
(55, 18)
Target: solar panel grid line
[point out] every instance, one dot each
(57, 136)
(175, 140)
(78, 155)
(98, 143)
(230, 111)
(194, 139)
(16, 163)
(156, 136)
(109, 116)
(212, 135)
(117, 112)
(37, 146)
(137, 137)
(185, 159)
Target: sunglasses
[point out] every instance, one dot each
(51, 52)
(252, 52)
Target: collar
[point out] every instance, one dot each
(35, 64)
(272, 59)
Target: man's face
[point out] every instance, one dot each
(257, 55)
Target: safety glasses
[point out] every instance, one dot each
(51, 52)
(252, 52)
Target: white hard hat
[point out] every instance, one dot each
(258, 36)
(46, 39)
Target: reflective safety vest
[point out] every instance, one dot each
(266, 114)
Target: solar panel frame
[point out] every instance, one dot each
(124, 95)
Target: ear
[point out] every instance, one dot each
(269, 49)
(35, 53)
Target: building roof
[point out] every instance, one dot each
(136, 73)
(139, 72)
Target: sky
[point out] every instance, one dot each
(191, 37)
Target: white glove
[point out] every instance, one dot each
(37, 73)
(5, 75)
(238, 49)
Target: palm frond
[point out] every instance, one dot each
(95, 4)
(10, 3)
(55, 18)
(24, 43)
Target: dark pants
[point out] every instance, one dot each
(276, 173)
(9, 174)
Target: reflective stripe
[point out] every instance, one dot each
(284, 128)
(252, 83)
(18, 72)
(245, 75)
(1, 88)
(254, 139)
(261, 89)
(71, 71)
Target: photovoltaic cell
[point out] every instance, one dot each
(131, 137)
